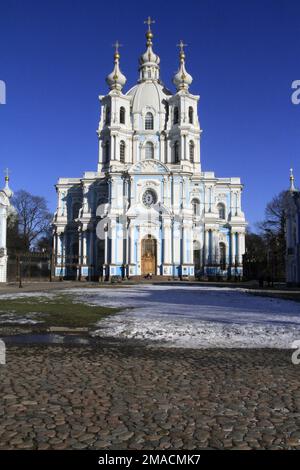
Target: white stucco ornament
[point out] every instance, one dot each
(149, 198)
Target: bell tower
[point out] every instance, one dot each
(184, 124)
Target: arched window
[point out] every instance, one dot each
(122, 151)
(76, 209)
(196, 206)
(176, 152)
(107, 115)
(192, 151)
(122, 115)
(222, 250)
(149, 150)
(191, 115)
(106, 151)
(149, 121)
(176, 115)
(221, 211)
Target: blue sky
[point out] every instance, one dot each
(243, 56)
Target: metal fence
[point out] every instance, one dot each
(29, 266)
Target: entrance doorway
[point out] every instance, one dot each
(148, 255)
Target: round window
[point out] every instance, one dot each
(149, 198)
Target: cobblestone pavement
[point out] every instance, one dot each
(124, 395)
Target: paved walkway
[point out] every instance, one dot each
(119, 396)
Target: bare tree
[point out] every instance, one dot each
(33, 217)
(272, 228)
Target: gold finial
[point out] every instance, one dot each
(149, 21)
(292, 180)
(116, 45)
(6, 172)
(181, 46)
(149, 35)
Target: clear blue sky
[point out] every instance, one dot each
(243, 55)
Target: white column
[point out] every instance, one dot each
(182, 149)
(139, 250)
(105, 245)
(59, 249)
(113, 240)
(91, 256)
(214, 246)
(206, 247)
(55, 246)
(85, 204)
(134, 149)
(186, 244)
(131, 238)
(167, 241)
(63, 247)
(233, 248)
(84, 247)
(241, 247)
(176, 243)
(80, 247)
(120, 245)
(162, 149)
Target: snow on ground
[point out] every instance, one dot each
(16, 319)
(22, 295)
(197, 317)
(188, 316)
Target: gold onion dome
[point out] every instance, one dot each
(116, 80)
(182, 79)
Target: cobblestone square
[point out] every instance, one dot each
(121, 395)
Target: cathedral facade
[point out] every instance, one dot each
(149, 209)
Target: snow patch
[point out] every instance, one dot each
(198, 317)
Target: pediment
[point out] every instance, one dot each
(148, 167)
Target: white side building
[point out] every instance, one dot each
(5, 195)
(292, 231)
(149, 207)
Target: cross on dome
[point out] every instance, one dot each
(149, 21)
(116, 45)
(181, 45)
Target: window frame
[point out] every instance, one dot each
(176, 152)
(122, 115)
(149, 121)
(149, 146)
(175, 115)
(192, 151)
(221, 211)
(191, 115)
(122, 150)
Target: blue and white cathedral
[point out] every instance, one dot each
(149, 208)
